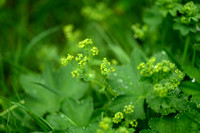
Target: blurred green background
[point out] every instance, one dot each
(32, 32)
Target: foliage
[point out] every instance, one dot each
(100, 66)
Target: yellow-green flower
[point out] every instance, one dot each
(94, 51)
(85, 43)
(69, 58)
(106, 68)
(79, 57)
(105, 125)
(82, 62)
(128, 109)
(133, 123)
(122, 130)
(75, 73)
(118, 117)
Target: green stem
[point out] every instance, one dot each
(11, 108)
(187, 42)
(97, 82)
(193, 57)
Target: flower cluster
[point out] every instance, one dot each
(70, 33)
(85, 43)
(94, 51)
(105, 125)
(106, 68)
(122, 130)
(69, 58)
(81, 60)
(189, 12)
(139, 31)
(151, 69)
(98, 13)
(118, 117)
(128, 109)
(157, 73)
(133, 123)
(126, 115)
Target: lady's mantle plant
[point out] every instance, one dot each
(82, 65)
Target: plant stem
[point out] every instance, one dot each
(187, 42)
(193, 57)
(97, 82)
(11, 108)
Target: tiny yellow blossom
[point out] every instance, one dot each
(85, 43)
(118, 117)
(105, 125)
(128, 109)
(82, 62)
(75, 73)
(63, 61)
(79, 57)
(105, 67)
(133, 123)
(94, 51)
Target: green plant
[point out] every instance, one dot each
(117, 82)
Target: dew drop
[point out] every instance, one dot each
(126, 87)
(83, 128)
(193, 80)
(115, 74)
(163, 52)
(62, 116)
(131, 102)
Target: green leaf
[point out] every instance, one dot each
(38, 99)
(44, 93)
(58, 121)
(196, 47)
(125, 83)
(183, 124)
(193, 72)
(190, 88)
(184, 29)
(152, 17)
(43, 124)
(148, 131)
(78, 112)
(92, 128)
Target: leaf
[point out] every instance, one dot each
(184, 29)
(58, 121)
(43, 124)
(152, 17)
(191, 88)
(183, 124)
(44, 93)
(78, 112)
(193, 73)
(119, 103)
(125, 79)
(196, 47)
(148, 131)
(125, 82)
(92, 128)
(38, 99)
